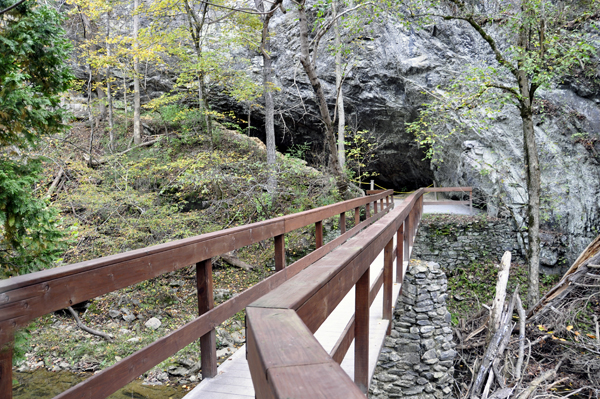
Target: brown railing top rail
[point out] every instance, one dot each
(286, 360)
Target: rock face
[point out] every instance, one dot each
(417, 360)
(391, 69)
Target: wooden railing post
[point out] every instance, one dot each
(208, 342)
(381, 203)
(356, 216)
(361, 332)
(387, 200)
(342, 222)
(279, 252)
(367, 210)
(411, 232)
(407, 230)
(6, 370)
(400, 255)
(374, 207)
(471, 202)
(388, 276)
(319, 234)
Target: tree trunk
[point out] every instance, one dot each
(101, 104)
(533, 179)
(137, 125)
(125, 101)
(268, 95)
(111, 125)
(90, 112)
(338, 85)
(310, 70)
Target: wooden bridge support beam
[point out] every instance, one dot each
(388, 276)
(361, 332)
(279, 252)
(208, 342)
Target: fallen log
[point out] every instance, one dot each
(233, 260)
(101, 161)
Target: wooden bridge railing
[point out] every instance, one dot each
(286, 360)
(27, 297)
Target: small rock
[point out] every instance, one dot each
(114, 313)
(162, 376)
(134, 339)
(238, 338)
(178, 371)
(176, 283)
(129, 318)
(153, 323)
(188, 363)
(430, 354)
(459, 297)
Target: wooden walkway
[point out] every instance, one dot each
(234, 381)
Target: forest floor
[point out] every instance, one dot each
(185, 183)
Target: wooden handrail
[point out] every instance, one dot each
(295, 310)
(27, 297)
(286, 360)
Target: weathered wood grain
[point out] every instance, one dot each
(206, 302)
(361, 333)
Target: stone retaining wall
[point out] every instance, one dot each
(417, 359)
(456, 241)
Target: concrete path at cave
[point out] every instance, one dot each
(459, 209)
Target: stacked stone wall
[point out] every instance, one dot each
(457, 241)
(416, 361)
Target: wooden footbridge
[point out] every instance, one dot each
(314, 328)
